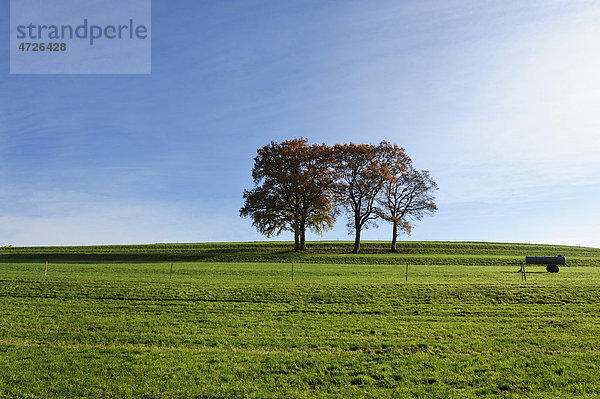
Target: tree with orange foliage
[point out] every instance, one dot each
(293, 190)
(360, 175)
(407, 193)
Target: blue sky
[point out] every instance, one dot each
(499, 100)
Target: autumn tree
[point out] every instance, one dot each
(407, 194)
(293, 190)
(360, 173)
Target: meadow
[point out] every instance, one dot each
(111, 321)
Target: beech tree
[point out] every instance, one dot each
(360, 174)
(407, 194)
(293, 190)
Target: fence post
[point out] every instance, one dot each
(46, 269)
(292, 271)
(407, 272)
(171, 273)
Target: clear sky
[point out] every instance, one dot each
(499, 100)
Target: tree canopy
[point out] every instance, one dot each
(300, 186)
(293, 190)
(359, 174)
(407, 195)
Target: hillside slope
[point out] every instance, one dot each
(431, 252)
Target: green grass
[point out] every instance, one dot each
(101, 325)
(464, 253)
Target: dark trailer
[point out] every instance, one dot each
(551, 262)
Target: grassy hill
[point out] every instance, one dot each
(111, 321)
(434, 253)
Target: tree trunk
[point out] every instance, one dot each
(302, 236)
(394, 237)
(356, 238)
(296, 239)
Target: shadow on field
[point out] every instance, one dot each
(528, 272)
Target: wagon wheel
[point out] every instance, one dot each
(552, 268)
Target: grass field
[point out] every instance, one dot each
(109, 322)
